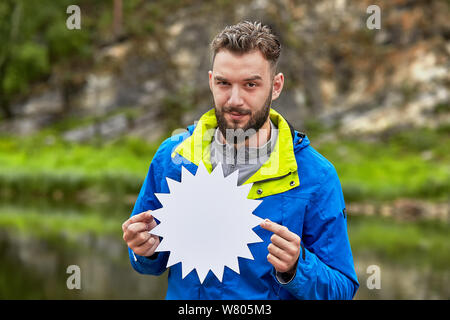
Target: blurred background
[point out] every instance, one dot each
(82, 113)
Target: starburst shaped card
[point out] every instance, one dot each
(206, 222)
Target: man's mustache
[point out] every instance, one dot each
(236, 110)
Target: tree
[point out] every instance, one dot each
(10, 16)
(34, 39)
(117, 18)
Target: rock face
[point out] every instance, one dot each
(336, 69)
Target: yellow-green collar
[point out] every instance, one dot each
(276, 175)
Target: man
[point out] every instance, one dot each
(306, 252)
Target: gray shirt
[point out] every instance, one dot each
(247, 160)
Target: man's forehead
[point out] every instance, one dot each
(251, 65)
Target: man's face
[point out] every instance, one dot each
(243, 89)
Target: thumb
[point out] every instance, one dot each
(145, 217)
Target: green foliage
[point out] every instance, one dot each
(176, 105)
(442, 108)
(64, 43)
(28, 63)
(412, 163)
(35, 38)
(406, 164)
(51, 154)
(57, 170)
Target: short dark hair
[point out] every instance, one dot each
(247, 36)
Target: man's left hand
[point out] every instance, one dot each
(284, 248)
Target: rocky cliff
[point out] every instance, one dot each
(337, 71)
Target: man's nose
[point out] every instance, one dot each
(235, 98)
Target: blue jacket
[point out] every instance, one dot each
(303, 193)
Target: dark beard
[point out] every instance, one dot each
(255, 123)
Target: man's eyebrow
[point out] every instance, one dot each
(255, 77)
(220, 78)
(252, 78)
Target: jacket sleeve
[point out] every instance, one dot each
(325, 268)
(147, 200)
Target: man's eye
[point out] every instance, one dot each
(222, 83)
(251, 84)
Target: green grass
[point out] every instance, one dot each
(49, 154)
(419, 243)
(45, 166)
(412, 164)
(53, 225)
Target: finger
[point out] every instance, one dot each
(145, 216)
(277, 263)
(134, 229)
(290, 247)
(279, 253)
(139, 239)
(151, 225)
(142, 249)
(280, 230)
(153, 247)
(280, 242)
(147, 248)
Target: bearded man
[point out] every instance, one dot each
(309, 254)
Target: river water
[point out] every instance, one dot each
(35, 267)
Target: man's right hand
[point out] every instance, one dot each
(136, 234)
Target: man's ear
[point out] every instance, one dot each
(278, 83)
(210, 79)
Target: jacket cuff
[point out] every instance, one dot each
(153, 256)
(154, 264)
(146, 261)
(284, 278)
(305, 264)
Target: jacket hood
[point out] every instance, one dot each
(301, 141)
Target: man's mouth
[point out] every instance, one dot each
(237, 115)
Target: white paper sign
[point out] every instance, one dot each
(206, 222)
